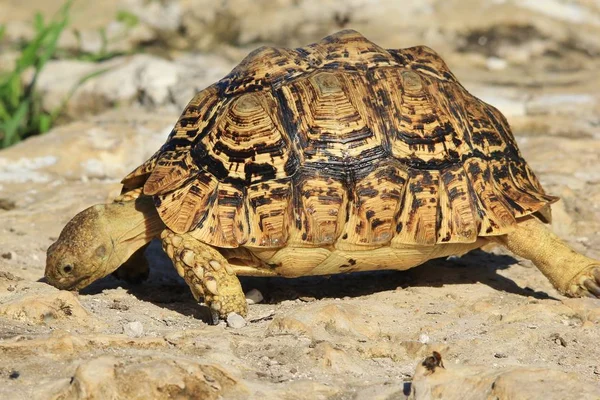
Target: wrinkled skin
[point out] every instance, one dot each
(99, 240)
(83, 253)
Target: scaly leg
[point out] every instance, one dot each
(573, 274)
(207, 273)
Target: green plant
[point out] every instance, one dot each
(21, 114)
(127, 18)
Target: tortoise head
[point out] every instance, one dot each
(84, 252)
(98, 240)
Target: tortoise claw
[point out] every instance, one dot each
(214, 317)
(591, 285)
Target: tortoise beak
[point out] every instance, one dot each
(65, 284)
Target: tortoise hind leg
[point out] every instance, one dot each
(573, 274)
(207, 273)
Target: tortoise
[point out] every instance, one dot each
(336, 157)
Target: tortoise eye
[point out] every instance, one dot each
(101, 251)
(67, 269)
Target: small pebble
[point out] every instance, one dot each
(500, 355)
(117, 305)
(235, 321)
(11, 255)
(134, 329)
(556, 338)
(254, 296)
(14, 375)
(496, 64)
(423, 338)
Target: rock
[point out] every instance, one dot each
(62, 344)
(298, 390)
(546, 312)
(496, 64)
(586, 309)
(134, 329)
(565, 104)
(235, 321)
(107, 146)
(344, 320)
(46, 306)
(433, 380)
(572, 12)
(334, 358)
(386, 391)
(157, 15)
(94, 380)
(254, 296)
(287, 326)
(120, 80)
(141, 79)
(109, 377)
(7, 277)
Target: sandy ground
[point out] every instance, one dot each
(357, 336)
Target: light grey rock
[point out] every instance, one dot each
(254, 296)
(134, 329)
(235, 321)
(158, 15)
(143, 80)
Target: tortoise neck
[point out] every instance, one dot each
(134, 223)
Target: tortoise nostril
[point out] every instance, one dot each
(67, 268)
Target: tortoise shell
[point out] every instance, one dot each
(339, 142)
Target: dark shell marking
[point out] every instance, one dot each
(339, 141)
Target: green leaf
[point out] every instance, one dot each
(38, 22)
(14, 91)
(130, 20)
(45, 123)
(11, 126)
(4, 115)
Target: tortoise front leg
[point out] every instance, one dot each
(207, 273)
(573, 274)
(136, 269)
